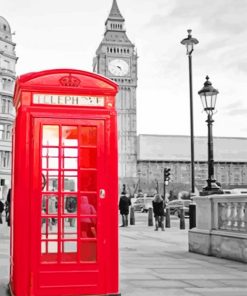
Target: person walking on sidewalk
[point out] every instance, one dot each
(159, 212)
(124, 204)
(1, 211)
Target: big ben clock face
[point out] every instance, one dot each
(118, 67)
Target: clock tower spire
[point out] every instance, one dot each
(116, 59)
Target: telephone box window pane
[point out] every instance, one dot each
(69, 136)
(86, 208)
(50, 135)
(92, 199)
(70, 152)
(50, 152)
(69, 253)
(88, 251)
(88, 157)
(52, 183)
(49, 204)
(70, 181)
(88, 135)
(88, 181)
(52, 163)
(49, 163)
(70, 163)
(69, 228)
(52, 247)
(49, 228)
(49, 180)
(88, 229)
(70, 204)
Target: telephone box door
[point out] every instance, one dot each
(68, 206)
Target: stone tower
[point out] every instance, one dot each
(7, 114)
(116, 58)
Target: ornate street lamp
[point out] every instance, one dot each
(208, 96)
(189, 42)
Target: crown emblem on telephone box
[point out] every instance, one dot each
(70, 80)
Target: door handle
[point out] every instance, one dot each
(102, 193)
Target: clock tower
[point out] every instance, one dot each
(116, 58)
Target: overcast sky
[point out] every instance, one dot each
(66, 34)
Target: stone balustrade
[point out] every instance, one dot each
(221, 226)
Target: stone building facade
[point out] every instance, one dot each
(156, 152)
(116, 58)
(8, 61)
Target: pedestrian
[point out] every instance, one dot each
(1, 211)
(159, 212)
(124, 204)
(8, 207)
(87, 220)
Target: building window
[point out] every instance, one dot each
(1, 132)
(6, 106)
(8, 132)
(4, 159)
(4, 27)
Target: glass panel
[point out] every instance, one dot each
(69, 247)
(70, 163)
(92, 199)
(52, 247)
(52, 163)
(69, 251)
(70, 181)
(49, 163)
(50, 180)
(88, 135)
(70, 152)
(70, 204)
(50, 135)
(49, 151)
(69, 228)
(49, 229)
(49, 204)
(88, 251)
(88, 157)
(69, 136)
(85, 207)
(88, 181)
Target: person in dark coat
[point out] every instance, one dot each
(124, 204)
(1, 211)
(159, 212)
(8, 207)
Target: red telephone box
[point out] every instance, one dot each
(64, 234)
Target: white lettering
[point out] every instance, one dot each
(52, 99)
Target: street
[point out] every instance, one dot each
(158, 263)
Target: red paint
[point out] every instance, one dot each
(64, 237)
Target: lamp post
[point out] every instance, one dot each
(208, 96)
(189, 42)
(139, 181)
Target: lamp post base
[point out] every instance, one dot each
(211, 188)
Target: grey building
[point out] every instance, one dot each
(156, 152)
(116, 58)
(7, 114)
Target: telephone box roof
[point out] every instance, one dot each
(66, 80)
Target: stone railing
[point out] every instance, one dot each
(221, 226)
(232, 214)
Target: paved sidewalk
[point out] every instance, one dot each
(159, 264)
